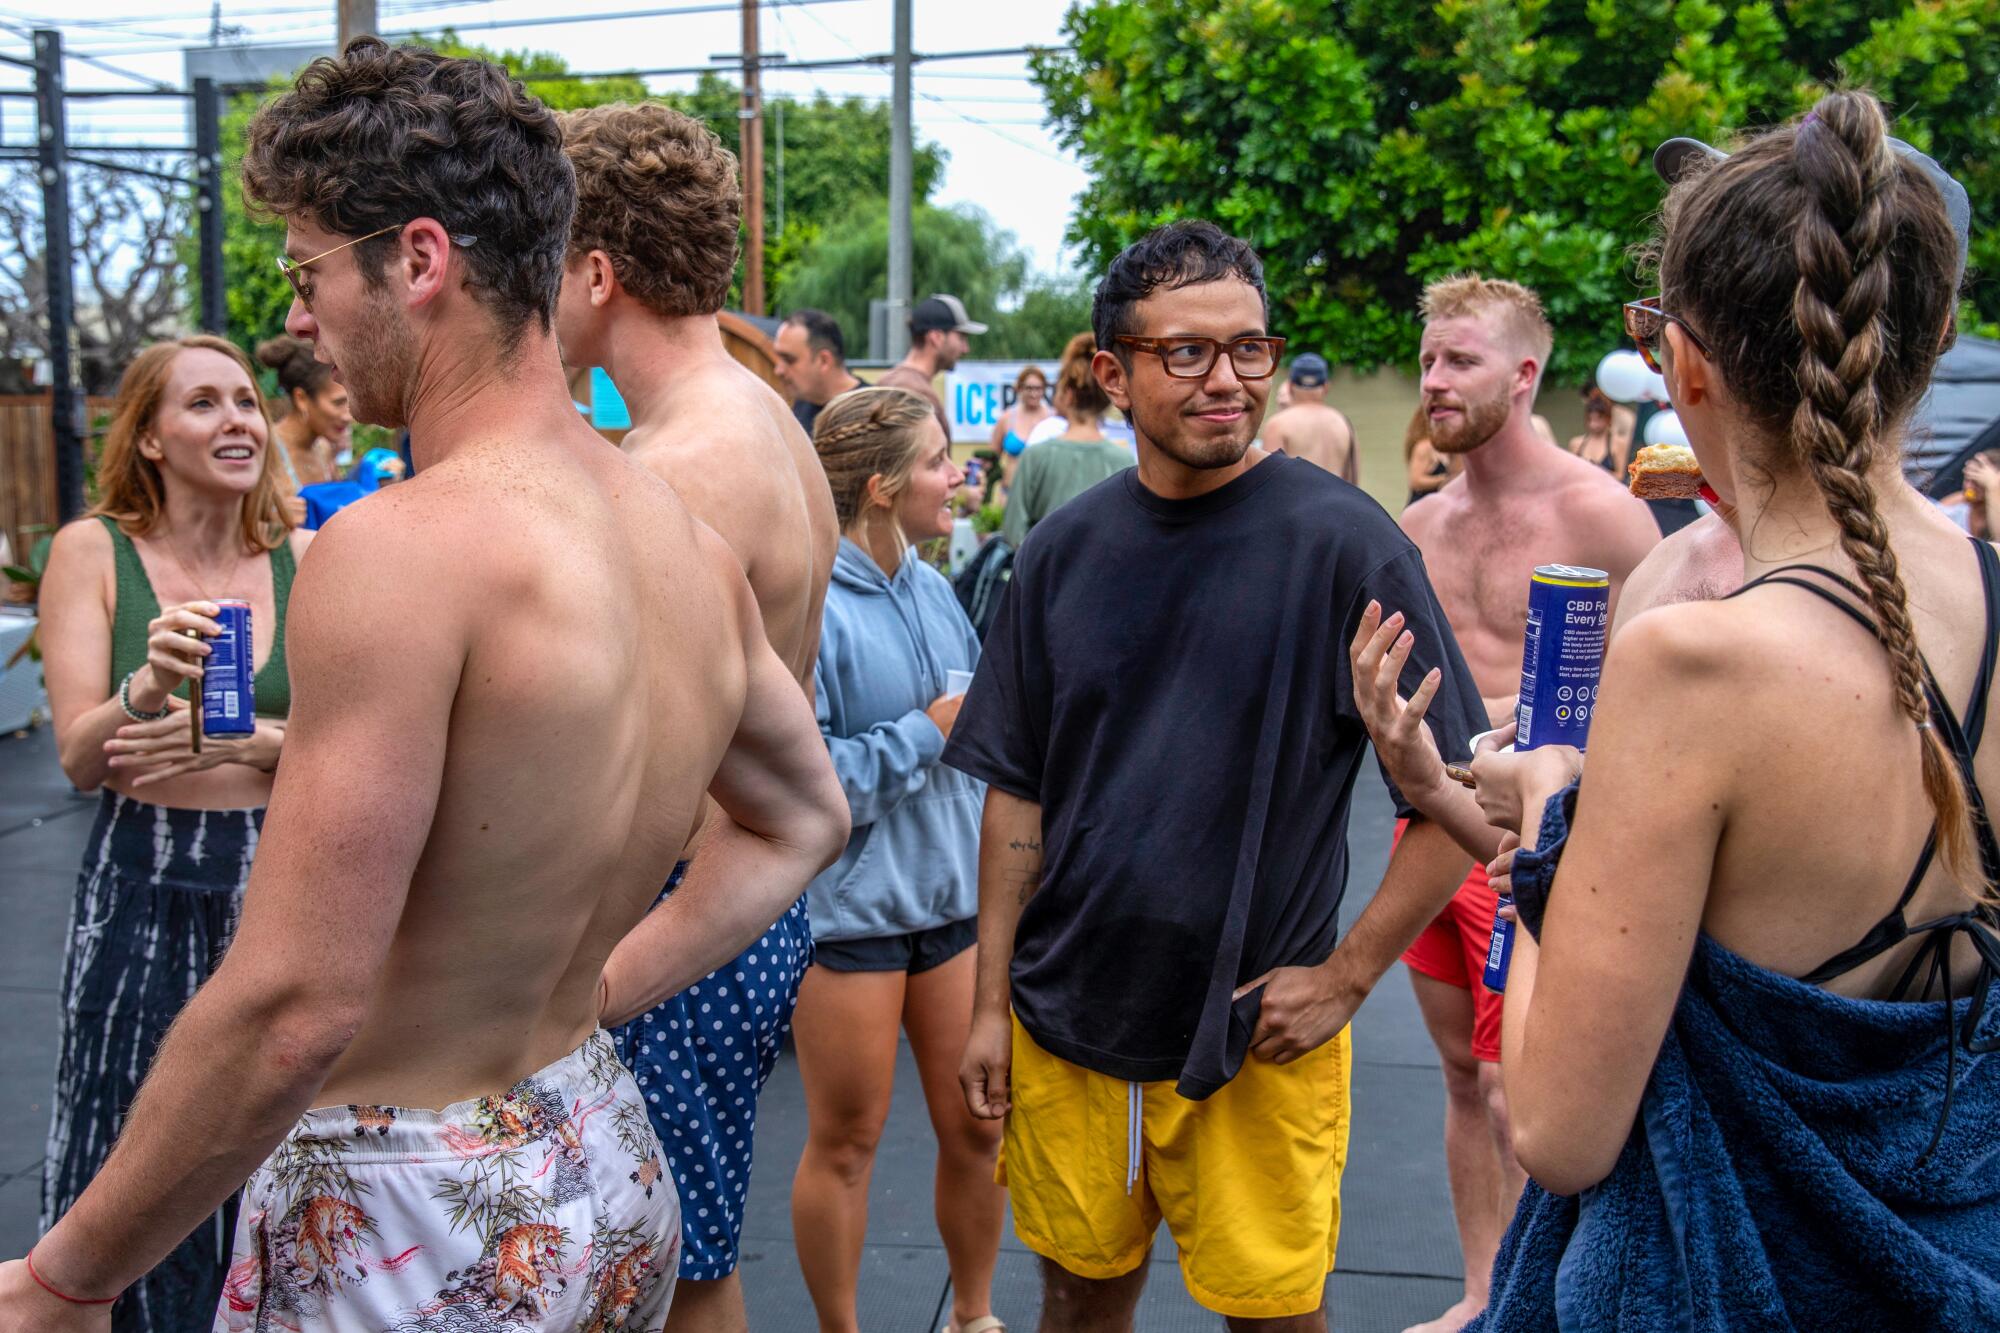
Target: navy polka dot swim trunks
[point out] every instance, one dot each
(701, 1059)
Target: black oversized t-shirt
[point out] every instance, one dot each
(1169, 680)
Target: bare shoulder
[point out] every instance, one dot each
(1715, 665)
(80, 570)
(409, 549)
(728, 445)
(1652, 580)
(1594, 499)
(1584, 483)
(82, 545)
(398, 528)
(299, 539)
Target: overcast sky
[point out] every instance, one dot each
(986, 113)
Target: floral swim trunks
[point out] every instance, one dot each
(546, 1207)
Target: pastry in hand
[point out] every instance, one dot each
(1666, 472)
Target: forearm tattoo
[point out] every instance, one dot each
(1025, 876)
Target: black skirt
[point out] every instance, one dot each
(156, 904)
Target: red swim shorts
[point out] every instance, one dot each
(1453, 948)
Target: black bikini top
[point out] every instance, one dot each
(1981, 924)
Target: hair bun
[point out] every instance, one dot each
(281, 351)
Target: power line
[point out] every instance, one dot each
(28, 35)
(858, 61)
(992, 127)
(204, 16)
(545, 20)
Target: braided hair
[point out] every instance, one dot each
(873, 431)
(1828, 342)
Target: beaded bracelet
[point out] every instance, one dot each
(125, 702)
(42, 1282)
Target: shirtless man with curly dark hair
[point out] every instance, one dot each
(514, 677)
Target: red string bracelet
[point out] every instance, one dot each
(62, 1295)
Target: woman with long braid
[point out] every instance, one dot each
(1756, 1037)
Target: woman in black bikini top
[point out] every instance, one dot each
(1750, 1019)
(1718, 909)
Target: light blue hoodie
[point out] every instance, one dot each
(885, 644)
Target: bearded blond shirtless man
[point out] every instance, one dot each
(514, 676)
(1521, 501)
(651, 255)
(1309, 427)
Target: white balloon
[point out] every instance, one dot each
(1666, 428)
(1622, 376)
(1656, 387)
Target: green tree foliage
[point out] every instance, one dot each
(956, 250)
(836, 160)
(1046, 314)
(1366, 147)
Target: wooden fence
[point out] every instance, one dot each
(28, 467)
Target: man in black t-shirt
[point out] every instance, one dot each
(1167, 726)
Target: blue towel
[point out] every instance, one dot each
(1772, 1180)
(324, 499)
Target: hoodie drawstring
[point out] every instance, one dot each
(927, 658)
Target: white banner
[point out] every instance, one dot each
(976, 393)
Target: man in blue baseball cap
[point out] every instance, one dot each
(1311, 429)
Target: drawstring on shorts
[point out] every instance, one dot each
(1135, 1115)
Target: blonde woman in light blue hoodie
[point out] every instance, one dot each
(895, 919)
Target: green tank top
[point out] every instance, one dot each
(139, 605)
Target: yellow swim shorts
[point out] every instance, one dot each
(1248, 1181)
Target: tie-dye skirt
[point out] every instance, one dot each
(156, 903)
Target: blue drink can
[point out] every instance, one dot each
(1500, 949)
(1562, 659)
(228, 698)
(1562, 655)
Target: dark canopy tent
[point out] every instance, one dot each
(1958, 418)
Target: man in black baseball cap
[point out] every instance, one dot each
(1676, 157)
(938, 341)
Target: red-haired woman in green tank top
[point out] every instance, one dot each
(190, 512)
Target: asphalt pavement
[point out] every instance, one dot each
(1398, 1259)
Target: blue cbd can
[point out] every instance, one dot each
(1562, 658)
(1562, 655)
(228, 698)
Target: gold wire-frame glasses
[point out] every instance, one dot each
(303, 289)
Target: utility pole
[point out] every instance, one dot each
(751, 120)
(208, 201)
(65, 382)
(899, 190)
(357, 19)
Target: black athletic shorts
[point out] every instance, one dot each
(919, 951)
